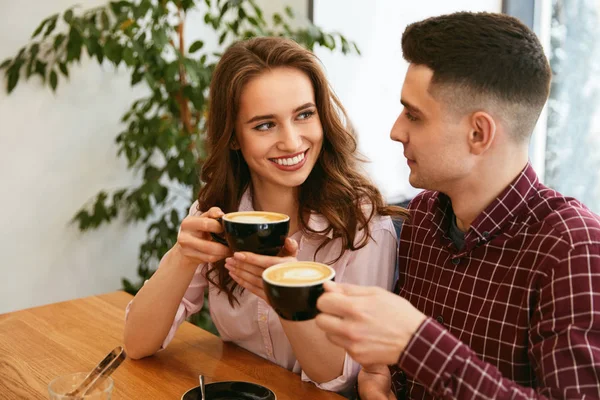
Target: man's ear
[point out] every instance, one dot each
(483, 132)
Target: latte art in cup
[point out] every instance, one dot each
(255, 217)
(294, 287)
(298, 273)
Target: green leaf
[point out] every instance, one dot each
(92, 46)
(258, 11)
(160, 38)
(74, 45)
(63, 69)
(53, 80)
(289, 11)
(128, 56)
(30, 65)
(119, 7)
(13, 79)
(105, 20)
(197, 45)
(329, 42)
(5, 63)
(241, 13)
(113, 51)
(51, 25)
(277, 20)
(40, 28)
(142, 9)
(150, 80)
(174, 218)
(223, 37)
(224, 10)
(68, 16)
(234, 26)
(58, 40)
(187, 4)
(40, 69)
(92, 31)
(129, 287)
(151, 173)
(136, 77)
(91, 22)
(160, 194)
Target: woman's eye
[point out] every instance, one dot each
(306, 114)
(264, 126)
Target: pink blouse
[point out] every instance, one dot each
(255, 326)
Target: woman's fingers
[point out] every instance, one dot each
(192, 245)
(201, 225)
(248, 272)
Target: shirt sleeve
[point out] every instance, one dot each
(192, 300)
(564, 343)
(372, 265)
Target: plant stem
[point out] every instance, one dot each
(183, 104)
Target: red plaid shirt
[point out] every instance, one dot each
(515, 313)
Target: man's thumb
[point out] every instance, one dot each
(348, 289)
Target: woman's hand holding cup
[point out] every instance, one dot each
(246, 268)
(194, 241)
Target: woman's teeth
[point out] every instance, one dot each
(290, 161)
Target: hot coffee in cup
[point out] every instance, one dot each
(294, 287)
(259, 232)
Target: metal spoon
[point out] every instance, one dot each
(201, 379)
(104, 368)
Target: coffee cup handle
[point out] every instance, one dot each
(219, 238)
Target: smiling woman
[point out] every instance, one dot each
(278, 129)
(277, 141)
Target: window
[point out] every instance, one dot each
(573, 127)
(566, 144)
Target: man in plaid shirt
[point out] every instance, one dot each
(499, 289)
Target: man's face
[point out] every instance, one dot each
(435, 140)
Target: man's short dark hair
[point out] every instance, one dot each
(483, 60)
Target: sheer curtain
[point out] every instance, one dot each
(572, 164)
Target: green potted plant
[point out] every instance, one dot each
(163, 133)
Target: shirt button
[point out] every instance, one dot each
(263, 318)
(486, 234)
(440, 319)
(456, 261)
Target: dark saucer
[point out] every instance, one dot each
(231, 390)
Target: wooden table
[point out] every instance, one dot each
(41, 343)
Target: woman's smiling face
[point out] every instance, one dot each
(278, 128)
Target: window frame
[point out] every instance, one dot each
(537, 15)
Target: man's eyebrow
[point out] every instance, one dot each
(270, 116)
(411, 107)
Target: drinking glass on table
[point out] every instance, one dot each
(59, 387)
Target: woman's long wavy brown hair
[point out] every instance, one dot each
(335, 187)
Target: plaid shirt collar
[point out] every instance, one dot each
(510, 203)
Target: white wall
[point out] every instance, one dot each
(369, 85)
(56, 152)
